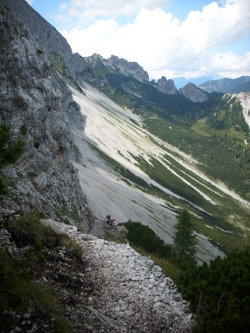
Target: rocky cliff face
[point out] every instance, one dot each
(195, 94)
(129, 68)
(31, 101)
(166, 86)
(48, 37)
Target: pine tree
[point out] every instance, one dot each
(185, 241)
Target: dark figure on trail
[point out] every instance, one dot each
(108, 219)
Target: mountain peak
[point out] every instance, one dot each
(192, 92)
(129, 68)
(166, 86)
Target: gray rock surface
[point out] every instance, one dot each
(48, 37)
(31, 101)
(195, 94)
(119, 65)
(166, 86)
(129, 68)
(111, 289)
(133, 294)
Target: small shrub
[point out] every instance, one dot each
(28, 230)
(144, 237)
(15, 278)
(18, 291)
(72, 246)
(9, 153)
(39, 52)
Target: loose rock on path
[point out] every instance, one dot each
(130, 293)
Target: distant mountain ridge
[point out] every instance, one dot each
(180, 82)
(103, 73)
(166, 86)
(241, 84)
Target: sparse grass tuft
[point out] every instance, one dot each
(65, 240)
(28, 230)
(18, 289)
(117, 236)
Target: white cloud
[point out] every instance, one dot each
(30, 1)
(95, 39)
(165, 46)
(84, 12)
(229, 65)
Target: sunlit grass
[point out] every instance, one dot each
(201, 127)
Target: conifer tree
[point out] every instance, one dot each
(185, 241)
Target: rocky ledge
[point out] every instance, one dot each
(130, 295)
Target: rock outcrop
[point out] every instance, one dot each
(129, 68)
(192, 92)
(48, 37)
(166, 86)
(31, 101)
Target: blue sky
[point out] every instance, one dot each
(167, 37)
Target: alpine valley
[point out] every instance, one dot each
(102, 138)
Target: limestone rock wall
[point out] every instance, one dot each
(166, 86)
(129, 68)
(192, 92)
(31, 101)
(47, 36)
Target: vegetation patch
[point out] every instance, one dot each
(19, 290)
(219, 293)
(9, 152)
(144, 237)
(222, 153)
(203, 128)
